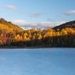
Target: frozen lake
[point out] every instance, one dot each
(43, 61)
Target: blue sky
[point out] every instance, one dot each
(37, 13)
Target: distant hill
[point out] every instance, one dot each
(12, 36)
(6, 27)
(70, 24)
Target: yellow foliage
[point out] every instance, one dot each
(39, 36)
(18, 37)
(26, 37)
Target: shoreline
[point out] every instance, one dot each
(13, 47)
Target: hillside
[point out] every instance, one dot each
(70, 24)
(6, 27)
(12, 36)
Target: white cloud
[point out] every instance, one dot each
(10, 7)
(25, 24)
(36, 15)
(71, 12)
(19, 22)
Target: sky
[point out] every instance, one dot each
(37, 13)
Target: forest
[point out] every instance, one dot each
(12, 36)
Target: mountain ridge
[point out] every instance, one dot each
(9, 26)
(70, 24)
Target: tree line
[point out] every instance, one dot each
(38, 38)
